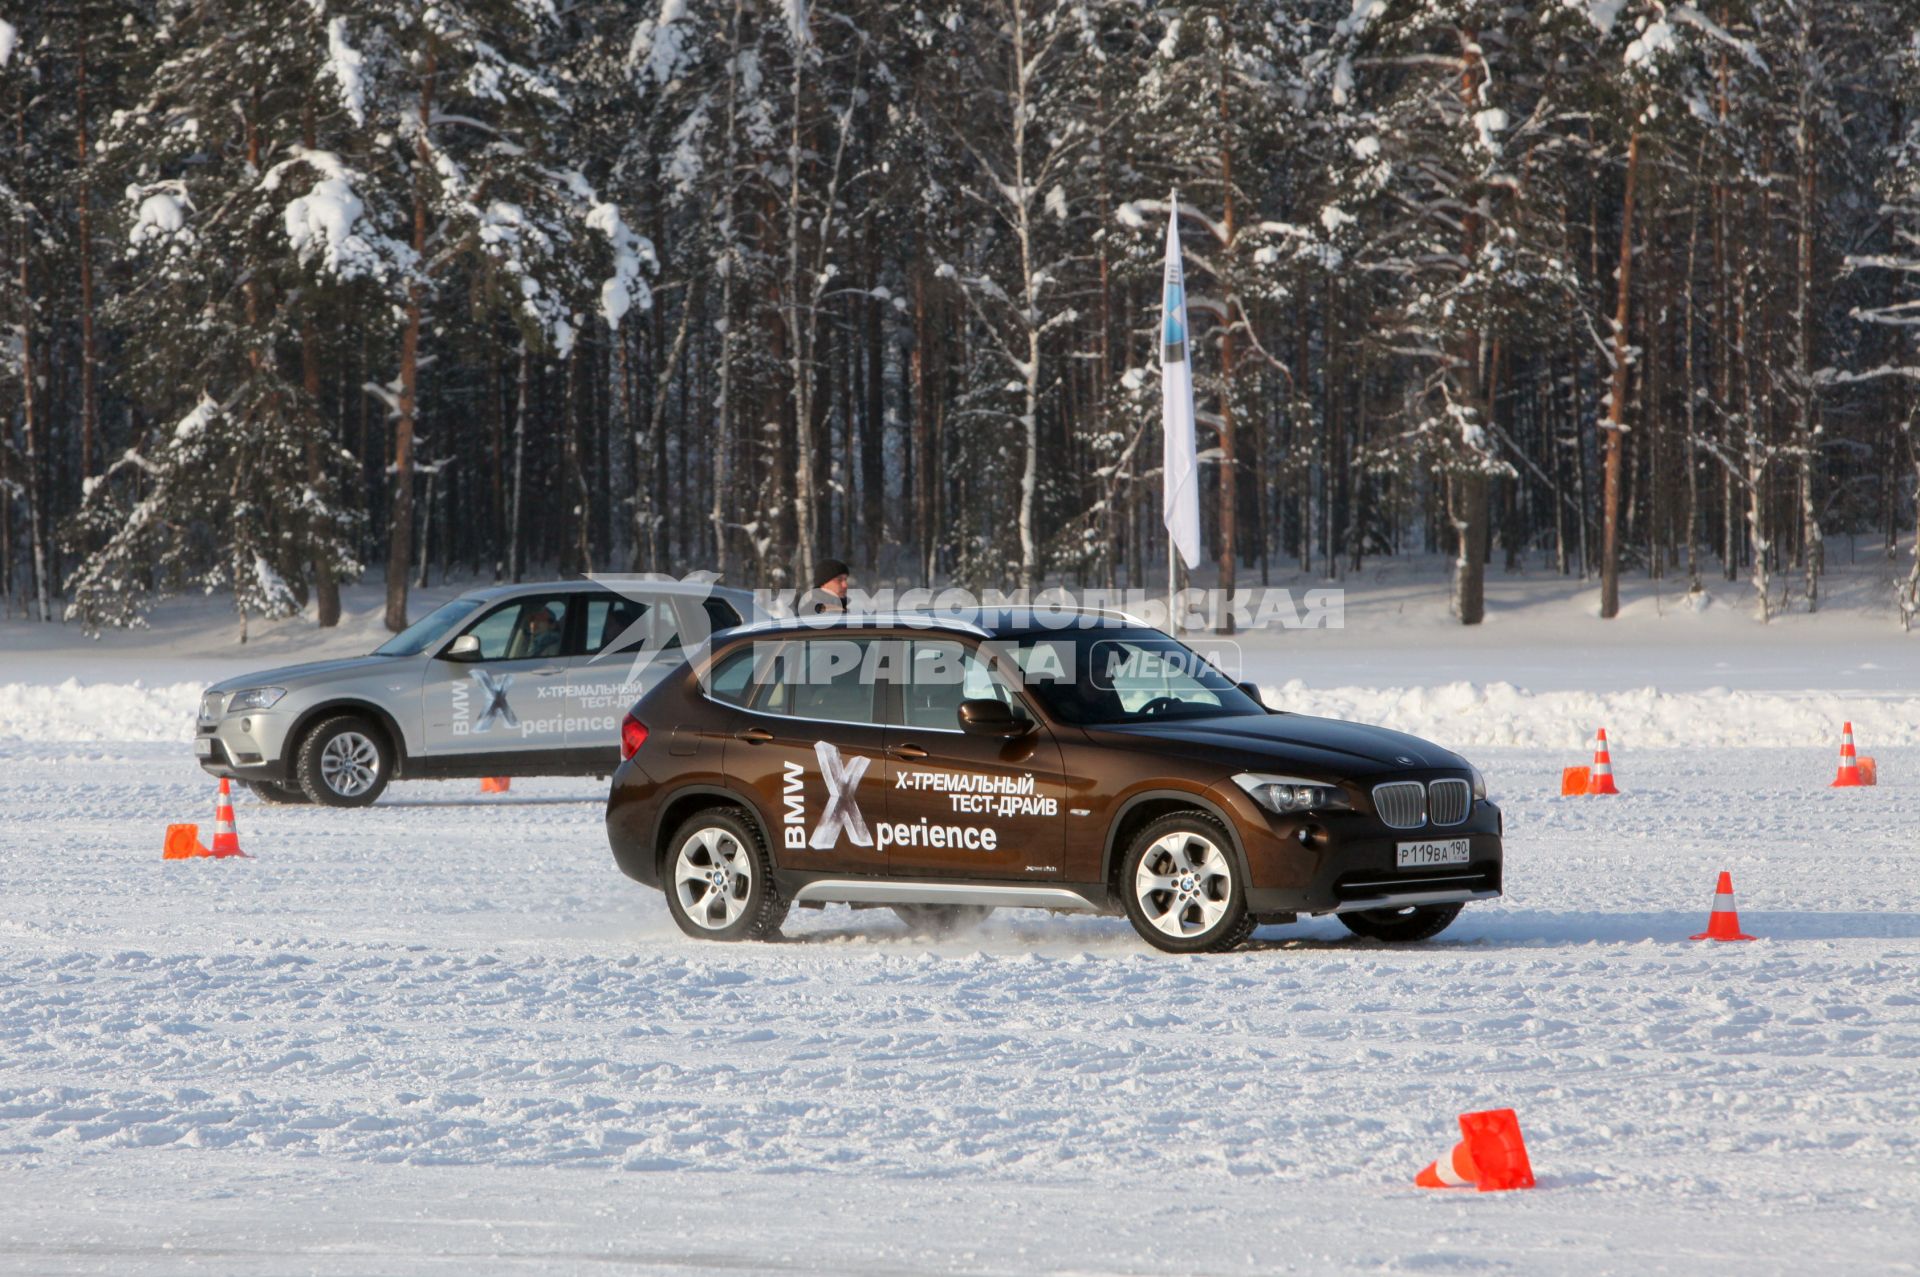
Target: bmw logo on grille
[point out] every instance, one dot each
(1403, 759)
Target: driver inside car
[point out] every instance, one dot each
(539, 635)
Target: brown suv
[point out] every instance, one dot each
(948, 765)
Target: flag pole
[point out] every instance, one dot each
(1180, 505)
(1173, 617)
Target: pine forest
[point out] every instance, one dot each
(295, 293)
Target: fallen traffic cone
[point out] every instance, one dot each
(495, 784)
(1849, 765)
(1724, 924)
(1491, 1155)
(226, 839)
(1601, 779)
(183, 843)
(1455, 1170)
(1573, 781)
(1869, 772)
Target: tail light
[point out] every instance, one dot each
(633, 734)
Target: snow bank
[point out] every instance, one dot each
(1458, 715)
(73, 711)
(1469, 714)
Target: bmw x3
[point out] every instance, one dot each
(945, 766)
(516, 680)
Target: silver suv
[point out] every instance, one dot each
(520, 680)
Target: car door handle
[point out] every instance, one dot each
(912, 753)
(755, 736)
(546, 673)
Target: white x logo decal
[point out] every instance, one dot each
(497, 706)
(842, 812)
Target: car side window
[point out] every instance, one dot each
(830, 680)
(940, 674)
(735, 677)
(618, 626)
(522, 630)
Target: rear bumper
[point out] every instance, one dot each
(633, 819)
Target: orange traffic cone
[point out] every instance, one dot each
(1455, 1170)
(1869, 772)
(1574, 781)
(1600, 780)
(183, 843)
(1491, 1155)
(495, 784)
(226, 839)
(1724, 924)
(1849, 765)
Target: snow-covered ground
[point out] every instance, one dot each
(445, 1034)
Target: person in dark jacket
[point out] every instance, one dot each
(829, 593)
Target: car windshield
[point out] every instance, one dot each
(1094, 677)
(428, 630)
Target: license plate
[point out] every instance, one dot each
(203, 746)
(1440, 851)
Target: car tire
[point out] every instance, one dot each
(344, 761)
(1183, 889)
(718, 878)
(278, 795)
(1400, 926)
(939, 921)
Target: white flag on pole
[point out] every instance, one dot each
(1180, 502)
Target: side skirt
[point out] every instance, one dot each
(1069, 898)
(523, 762)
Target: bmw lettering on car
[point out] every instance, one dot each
(945, 766)
(519, 680)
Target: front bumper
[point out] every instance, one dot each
(246, 746)
(1337, 863)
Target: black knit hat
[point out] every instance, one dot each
(828, 569)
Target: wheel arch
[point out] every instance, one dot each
(1142, 809)
(688, 801)
(309, 719)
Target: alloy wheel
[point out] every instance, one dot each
(1183, 884)
(713, 876)
(349, 764)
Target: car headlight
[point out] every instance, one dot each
(212, 705)
(1284, 795)
(255, 698)
(1479, 783)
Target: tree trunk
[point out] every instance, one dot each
(326, 584)
(922, 429)
(400, 517)
(800, 324)
(1229, 472)
(29, 402)
(1807, 440)
(1617, 398)
(89, 409)
(516, 556)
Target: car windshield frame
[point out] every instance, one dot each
(429, 629)
(1060, 698)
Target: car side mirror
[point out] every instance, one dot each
(988, 716)
(1253, 690)
(464, 648)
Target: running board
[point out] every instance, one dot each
(873, 891)
(1405, 898)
